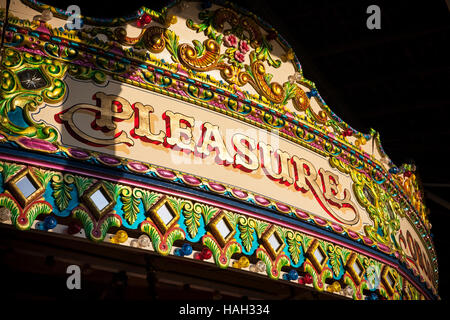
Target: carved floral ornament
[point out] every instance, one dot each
(237, 48)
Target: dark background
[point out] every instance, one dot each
(395, 80)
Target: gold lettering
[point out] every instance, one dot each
(278, 172)
(179, 137)
(306, 180)
(109, 109)
(301, 171)
(142, 127)
(244, 158)
(211, 139)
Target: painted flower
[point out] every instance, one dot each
(239, 56)
(243, 46)
(230, 40)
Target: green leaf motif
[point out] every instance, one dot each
(290, 90)
(172, 44)
(36, 209)
(153, 234)
(232, 217)
(11, 205)
(61, 192)
(112, 220)
(294, 247)
(9, 169)
(261, 226)
(305, 241)
(199, 47)
(192, 220)
(268, 77)
(43, 176)
(179, 204)
(345, 254)
(113, 189)
(206, 211)
(206, 26)
(82, 184)
(247, 229)
(130, 200)
(149, 199)
(334, 256)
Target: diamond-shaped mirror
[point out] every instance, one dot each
(163, 214)
(98, 200)
(355, 268)
(388, 280)
(317, 255)
(25, 187)
(221, 228)
(369, 195)
(358, 270)
(272, 242)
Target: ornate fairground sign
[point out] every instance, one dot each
(193, 132)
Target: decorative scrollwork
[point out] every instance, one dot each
(27, 82)
(375, 199)
(202, 58)
(244, 27)
(273, 91)
(151, 38)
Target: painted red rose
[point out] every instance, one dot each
(230, 41)
(239, 56)
(243, 47)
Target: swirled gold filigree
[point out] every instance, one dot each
(153, 38)
(200, 61)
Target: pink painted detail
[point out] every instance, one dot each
(384, 248)
(301, 214)
(217, 105)
(289, 116)
(320, 221)
(182, 70)
(137, 166)
(79, 154)
(42, 28)
(37, 144)
(230, 40)
(216, 187)
(240, 194)
(287, 132)
(240, 94)
(109, 160)
(261, 200)
(243, 46)
(239, 56)
(283, 207)
(336, 227)
(191, 180)
(2, 137)
(166, 173)
(367, 241)
(352, 234)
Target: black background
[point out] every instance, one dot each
(395, 80)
